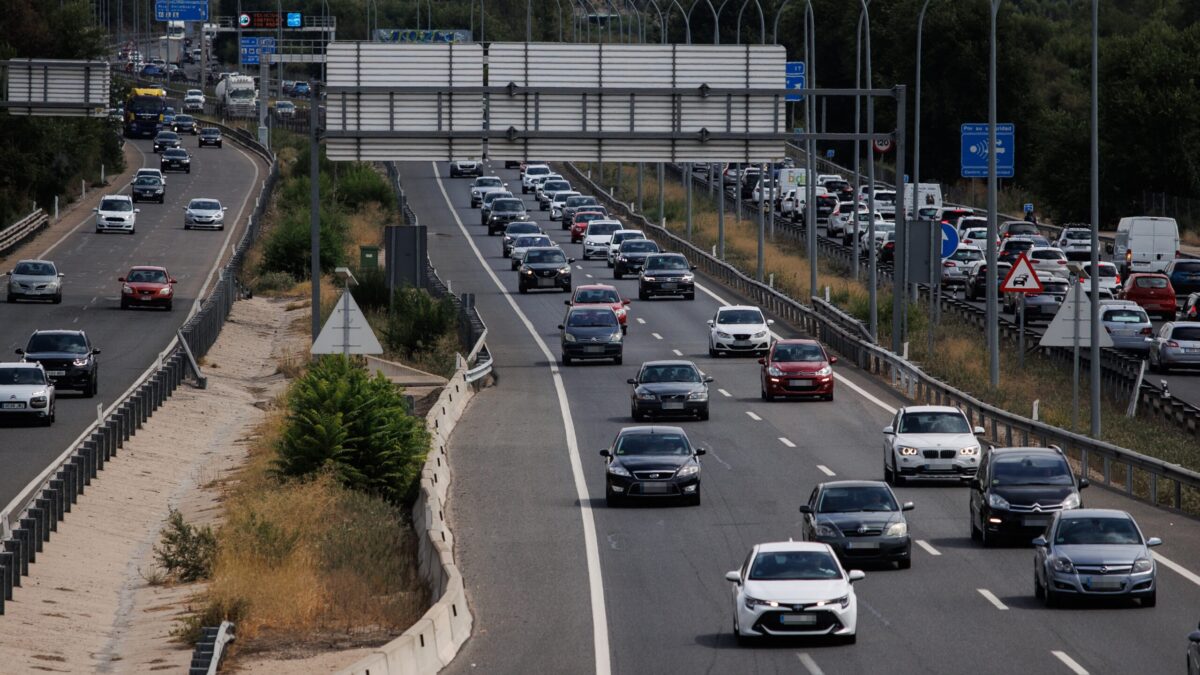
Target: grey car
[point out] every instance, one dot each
(1177, 345)
(1127, 324)
(35, 280)
(590, 333)
(203, 212)
(1097, 553)
(861, 520)
(669, 388)
(1193, 653)
(575, 204)
(1039, 306)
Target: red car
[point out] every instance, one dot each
(579, 225)
(147, 287)
(797, 368)
(605, 296)
(1152, 292)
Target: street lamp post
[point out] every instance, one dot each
(1095, 189)
(916, 181)
(872, 262)
(993, 333)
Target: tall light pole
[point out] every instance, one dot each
(1095, 318)
(810, 171)
(916, 182)
(872, 262)
(993, 330)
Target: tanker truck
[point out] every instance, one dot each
(237, 97)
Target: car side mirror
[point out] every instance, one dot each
(560, 326)
(978, 431)
(888, 431)
(1149, 340)
(137, 210)
(632, 380)
(710, 322)
(1153, 541)
(805, 508)
(605, 453)
(691, 267)
(121, 279)
(625, 301)
(96, 210)
(701, 451)
(708, 379)
(570, 260)
(19, 351)
(95, 351)
(734, 576)
(976, 483)
(172, 281)
(1083, 482)
(567, 303)
(1039, 541)
(1194, 636)
(907, 506)
(856, 575)
(770, 322)
(832, 360)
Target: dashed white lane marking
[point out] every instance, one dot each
(579, 267)
(1179, 569)
(589, 276)
(656, 336)
(928, 548)
(1069, 662)
(786, 442)
(809, 664)
(725, 393)
(641, 320)
(826, 470)
(991, 597)
(754, 417)
(677, 352)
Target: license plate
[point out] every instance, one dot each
(1036, 522)
(673, 405)
(800, 383)
(1101, 583)
(596, 349)
(545, 281)
(862, 544)
(56, 373)
(798, 619)
(1191, 351)
(656, 488)
(670, 286)
(13, 406)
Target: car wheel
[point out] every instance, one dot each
(625, 329)
(689, 296)
(58, 299)
(1150, 600)
(828, 397)
(611, 500)
(618, 360)
(170, 305)
(904, 563)
(11, 298)
(186, 226)
(642, 295)
(1038, 591)
(617, 273)
(767, 395)
(566, 360)
(704, 414)
(637, 416)
(609, 263)
(850, 639)
(742, 640)
(565, 226)
(93, 387)
(694, 500)
(990, 541)
(1050, 597)
(124, 304)
(522, 289)
(712, 352)
(890, 478)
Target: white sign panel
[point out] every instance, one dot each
(57, 88)
(1073, 321)
(346, 331)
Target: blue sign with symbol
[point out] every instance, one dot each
(1029, 208)
(829, 153)
(248, 51)
(975, 150)
(796, 75)
(949, 240)
(181, 10)
(293, 19)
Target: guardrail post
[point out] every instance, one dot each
(110, 436)
(58, 486)
(1154, 488)
(49, 523)
(81, 474)
(29, 539)
(41, 529)
(95, 453)
(67, 475)
(90, 455)
(1178, 495)
(1129, 479)
(7, 568)
(20, 566)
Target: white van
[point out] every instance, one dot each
(929, 199)
(1146, 243)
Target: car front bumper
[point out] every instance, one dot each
(957, 467)
(1022, 525)
(147, 300)
(72, 378)
(24, 412)
(1101, 585)
(584, 351)
(1178, 357)
(748, 345)
(209, 223)
(869, 549)
(123, 226)
(661, 408)
(784, 621)
(629, 486)
(799, 384)
(667, 287)
(591, 250)
(539, 282)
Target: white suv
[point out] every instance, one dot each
(739, 328)
(930, 442)
(194, 100)
(531, 172)
(116, 214)
(465, 167)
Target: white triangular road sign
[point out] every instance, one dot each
(1062, 330)
(346, 331)
(1022, 278)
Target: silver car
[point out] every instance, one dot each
(204, 212)
(1127, 324)
(35, 280)
(1094, 553)
(26, 392)
(1177, 344)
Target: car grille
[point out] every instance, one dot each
(1104, 569)
(55, 364)
(936, 454)
(773, 622)
(741, 336)
(673, 397)
(862, 532)
(1035, 508)
(660, 474)
(547, 273)
(115, 220)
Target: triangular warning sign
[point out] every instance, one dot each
(1074, 320)
(346, 331)
(1022, 278)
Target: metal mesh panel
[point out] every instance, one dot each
(58, 88)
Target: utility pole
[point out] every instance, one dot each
(314, 206)
(993, 329)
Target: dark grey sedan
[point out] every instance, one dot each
(1097, 553)
(664, 388)
(861, 520)
(590, 333)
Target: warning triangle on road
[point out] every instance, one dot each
(1022, 278)
(346, 331)
(1074, 320)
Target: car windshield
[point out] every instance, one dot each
(652, 444)
(580, 201)
(552, 185)
(603, 228)
(147, 276)
(793, 353)
(35, 269)
(857, 498)
(1031, 470)
(740, 316)
(638, 246)
(1055, 287)
(492, 196)
(185, 119)
(175, 154)
(1188, 267)
(1186, 333)
(70, 343)
(545, 257)
(152, 181)
(116, 205)
(537, 240)
(1103, 530)
(585, 296)
(794, 566)
(667, 263)
(205, 205)
(1022, 228)
(588, 217)
(672, 373)
(592, 318)
(21, 376)
(210, 131)
(934, 423)
(1151, 282)
(1106, 271)
(507, 204)
(521, 228)
(488, 182)
(623, 236)
(168, 136)
(967, 254)
(562, 197)
(537, 171)
(1126, 316)
(1077, 234)
(885, 197)
(976, 233)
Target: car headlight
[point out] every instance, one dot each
(824, 530)
(687, 277)
(970, 450)
(567, 337)
(618, 470)
(646, 396)
(80, 362)
(564, 270)
(844, 601)
(827, 370)
(724, 336)
(1143, 565)
(166, 290)
(615, 337)
(774, 372)
(896, 530)
(622, 258)
(527, 272)
(907, 451)
(1062, 565)
(754, 603)
(1072, 501)
(996, 501)
(689, 470)
(760, 334)
(698, 396)
(127, 289)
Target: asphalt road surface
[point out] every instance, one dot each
(559, 583)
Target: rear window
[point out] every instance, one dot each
(1126, 316)
(1106, 271)
(1186, 333)
(1189, 267)
(967, 255)
(1047, 255)
(1022, 228)
(1055, 287)
(1150, 282)
(603, 228)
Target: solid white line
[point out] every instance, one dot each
(228, 237)
(786, 442)
(1178, 569)
(809, 664)
(928, 548)
(725, 393)
(991, 597)
(677, 352)
(656, 336)
(591, 548)
(1069, 662)
(89, 218)
(754, 417)
(639, 319)
(826, 470)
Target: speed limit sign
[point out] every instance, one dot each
(883, 145)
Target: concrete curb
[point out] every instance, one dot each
(432, 642)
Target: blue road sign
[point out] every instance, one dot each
(293, 19)
(975, 150)
(248, 51)
(796, 75)
(830, 153)
(181, 10)
(949, 240)
(1029, 208)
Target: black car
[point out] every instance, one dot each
(185, 124)
(514, 230)
(861, 520)
(631, 256)
(840, 189)
(1017, 491)
(485, 205)
(651, 461)
(1193, 653)
(176, 159)
(667, 274)
(976, 282)
(545, 267)
(590, 333)
(148, 189)
(574, 205)
(669, 388)
(210, 136)
(68, 358)
(166, 139)
(503, 212)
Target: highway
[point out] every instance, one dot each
(559, 583)
(130, 340)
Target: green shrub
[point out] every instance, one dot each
(186, 551)
(190, 628)
(359, 184)
(417, 321)
(272, 281)
(371, 293)
(357, 426)
(294, 193)
(287, 248)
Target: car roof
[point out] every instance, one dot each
(776, 546)
(1096, 513)
(154, 268)
(123, 197)
(21, 364)
(627, 231)
(652, 429)
(930, 408)
(670, 362)
(968, 247)
(850, 483)
(799, 341)
(58, 331)
(604, 221)
(1025, 450)
(1035, 249)
(595, 287)
(1119, 304)
(729, 307)
(35, 260)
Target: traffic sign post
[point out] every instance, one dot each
(974, 150)
(181, 10)
(796, 75)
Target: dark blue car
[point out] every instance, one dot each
(300, 89)
(151, 70)
(1185, 276)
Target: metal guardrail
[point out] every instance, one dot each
(1140, 477)
(16, 233)
(206, 657)
(27, 521)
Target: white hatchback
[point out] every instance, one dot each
(739, 329)
(116, 214)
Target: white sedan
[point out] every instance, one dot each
(791, 588)
(739, 328)
(1047, 260)
(26, 392)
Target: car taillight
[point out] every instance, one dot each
(1062, 262)
(1128, 255)
(1146, 331)
(1177, 255)
(1172, 343)
(948, 264)
(1118, 280)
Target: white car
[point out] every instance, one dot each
(25, 391)
(116, 214)
(1110, 278)
(823, 178)
(964, 223)
(598, 237)
(739, 328)
(523, 243)
(1076, 242)
(204, 212)
(559, 200)
(930, 442)
(841, 219)
(794, 588)
(465, 167)
(546, 190)
(532, 172)
(614, 244)
(975, 236)
(882, 229)
(485, 184)
(157, 173)
(885, 202)
(1047, 260)
(193, 100)
(954, 268)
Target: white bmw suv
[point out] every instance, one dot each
(930, 442)
(739, 328)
